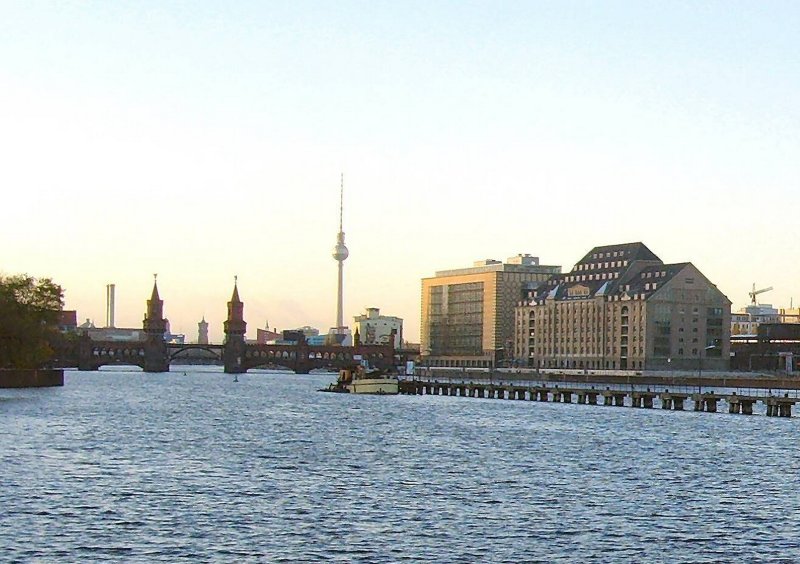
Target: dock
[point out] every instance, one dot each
(708, 402)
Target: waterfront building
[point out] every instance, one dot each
(467, 316)
(376, 329)
(622, 308)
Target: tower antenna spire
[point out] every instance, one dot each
(341, 201)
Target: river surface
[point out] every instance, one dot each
(130, 467)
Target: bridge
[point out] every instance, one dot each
(154, 354)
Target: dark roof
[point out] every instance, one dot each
(625, 251)
(656, 274)
(235, 296)
(629, 268)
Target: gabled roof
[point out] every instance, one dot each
(653, 277)
(624, 251)
(629, 269)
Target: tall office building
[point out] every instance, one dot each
(468, 314)
(622, 308)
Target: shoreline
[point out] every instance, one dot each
(31, 378)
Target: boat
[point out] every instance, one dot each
(363, 381)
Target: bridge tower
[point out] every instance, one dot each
(235, 328)
(156, 358)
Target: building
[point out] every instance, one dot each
(747, 320)
(745, 323)
(202, 332)
(68, 321)
(467, 316)
(622, 308)
(114, 334)
(174, 338)
(789, 315)
(775, 347)
(376, 329)
(264, 336)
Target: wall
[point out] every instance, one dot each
(31, 378)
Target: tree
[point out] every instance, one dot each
(30, 310)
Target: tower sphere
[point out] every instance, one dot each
(340, 252)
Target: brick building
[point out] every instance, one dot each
(622, 308)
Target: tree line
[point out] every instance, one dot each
(30, 313)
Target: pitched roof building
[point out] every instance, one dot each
(622, 308)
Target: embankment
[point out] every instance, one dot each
(20, 378)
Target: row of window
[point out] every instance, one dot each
(601, 265)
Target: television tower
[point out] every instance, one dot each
(340, 253)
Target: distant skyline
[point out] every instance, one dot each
(205, 140)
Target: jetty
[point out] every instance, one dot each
(779, 405)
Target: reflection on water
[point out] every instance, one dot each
(126, 466)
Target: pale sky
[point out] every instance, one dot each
(203, 140)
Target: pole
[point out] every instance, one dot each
(700, 372)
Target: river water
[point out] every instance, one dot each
(124, 466)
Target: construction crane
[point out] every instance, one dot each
(755, 292)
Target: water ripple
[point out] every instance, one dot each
(123, 466)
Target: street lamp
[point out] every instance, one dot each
(700, 359)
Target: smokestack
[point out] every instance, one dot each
(110, 305)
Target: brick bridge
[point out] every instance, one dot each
(154, 354)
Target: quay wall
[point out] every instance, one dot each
(635, 378)
(42, 378)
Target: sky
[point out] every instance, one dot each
(205, 140)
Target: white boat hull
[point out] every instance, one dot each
(381, 386)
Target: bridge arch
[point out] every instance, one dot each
(214, 350)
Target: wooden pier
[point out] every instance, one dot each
(776, 406)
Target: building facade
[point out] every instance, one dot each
(467, 316)
(746, 321)
(622, 308)
(376, 329)
(202, 331)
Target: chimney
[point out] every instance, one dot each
(110, 305)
